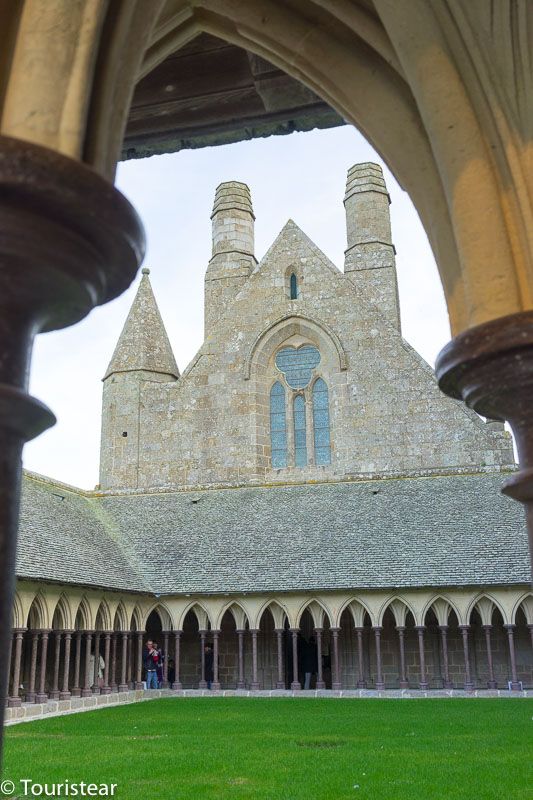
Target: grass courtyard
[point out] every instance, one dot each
(286, 749)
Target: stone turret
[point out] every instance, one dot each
(233, 256)
(370, 255)
(143, 353)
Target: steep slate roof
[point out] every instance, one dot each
(438, 531)
(143, 343)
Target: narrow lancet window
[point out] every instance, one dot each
(300, 444)
(321, 423)
(294, 287)
(278, 426)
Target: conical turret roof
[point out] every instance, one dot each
(143, 343)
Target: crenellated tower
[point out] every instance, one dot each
(233, 256)
(370, 255)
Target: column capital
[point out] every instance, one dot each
(377, 628)
(19, 631)
(335, 630)
(420, 628)
(282, 630)
(487, 627)
(294, 630)
(509, 626)
(400, 628)
(464, 628)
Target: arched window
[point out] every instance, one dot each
(278, 426)
(294, 287)
(300, 444)
(321, 423)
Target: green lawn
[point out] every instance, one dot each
(286, 749)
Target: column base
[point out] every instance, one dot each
(216, 687)
(469, 687)
(177, 686)
(423, 685)
(380, 685)
(138, 686)
(122, 687)
(242, 685)
(95, 690)
(164, 684)
(29, 697)
(336, 687)
(202, 685)
(41, 698)
(404, 684)
(54, 695)
(361, 684)
(319, 685)
(114, 688)
(447, 685)
(14, 702)
(64, 695)
(492, 685)
(76, 693)
(255, 686)
(515, 686)
(107, 689)
(86, 693)
(296, 686)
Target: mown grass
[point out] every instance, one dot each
(287, 749)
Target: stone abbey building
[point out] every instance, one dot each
(304, 475)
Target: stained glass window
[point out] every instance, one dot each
(321, 423)
(278, 426)
(298, 364)
(300, 444)
(294, 287)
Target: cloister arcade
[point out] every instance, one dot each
(417, 639)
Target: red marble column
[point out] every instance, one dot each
(361, 683)
(41, 696)
(379, 672)
(203, 682)
(336, 683)
(139, 659)
(491, 683)
(446, 682)
(76, 689)
(14, 699)
(177, 655)
(515, 684)
(64, 694)
(422, 657)
(404, 683)
(106, 688)
(123, 685)
(30, 694)
(54, 692)
(87, 676)
(295, 685)
(165, 662)
(114, 685)
(469, 686)
(280, 683)
(216, 683)
(254, 685)
(320, 684)
(240, 637)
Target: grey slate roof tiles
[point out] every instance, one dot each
(438, 531)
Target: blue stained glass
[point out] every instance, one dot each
(278, 426)
(298, 364)
(300, 444)
(321, 423)
(294, 287)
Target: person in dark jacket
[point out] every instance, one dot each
(150, 661)
(309, 661)
(209, 662)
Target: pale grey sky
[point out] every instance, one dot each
(301, 176)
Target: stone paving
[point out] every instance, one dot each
(54, 708)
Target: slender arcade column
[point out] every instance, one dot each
(69, 242)
(280, 683)
(255, 682)
(123, 686)
(469, 686)
(422, 656)
(76, 690)
(336, 684)
(295, 685)
(14, 699)
(65, 693)
(96, 674)
(446, 682)
(177, 656)
(41, 696)
(54, 693)
(379, 675)
(88, 678)
(361, 683)
(106, 688)
(515, 684)
(203, 682)
(139, 670)
(404, 683)
(30, 694)
(216, 683)
(114, 685)
(165, 662)
(320, 684)
(491, 683)
(240, 635)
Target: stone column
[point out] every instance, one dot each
(76, 689)
(165, 662)
(139, 671)
(129, 660)
(404, 683)
(361, 683)
(319, 677)
(114, 684)
(14, 699)
(469, 686)
(106, 688)
(203, 682)
(240, 635)
(177, 655)
(95, 677)
(446, 682)
(87, 676)
(30, 694)
(295, 685)
(123, 685)
(216, 683)
(515, 684)
(336, 684)
(379, 673)
(422, 656)
(254, 686)
(54, 693)
(491, 683)
(530, 628)
(65, 693)
(41, 696)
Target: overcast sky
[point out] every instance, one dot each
(301, 176)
